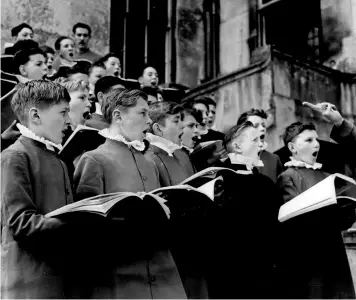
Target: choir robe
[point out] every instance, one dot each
(140, 264)
(184, 159)
(245, 231)
(172, 169)
(34, 182)
(272, 165)
(315, 261)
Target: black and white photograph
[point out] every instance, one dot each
(178, 149)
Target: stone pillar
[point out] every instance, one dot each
(190, 42)
(234, 35)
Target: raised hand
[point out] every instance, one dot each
(328, 110)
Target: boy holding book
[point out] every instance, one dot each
(34, 182)
(139, 262)
(251, 201)
(165, 135)
(315, 257)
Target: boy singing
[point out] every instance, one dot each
(34, 182)
(311, 239)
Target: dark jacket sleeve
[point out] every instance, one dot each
(288, 186)
(345, 134)
(88, 178)
(18, 210)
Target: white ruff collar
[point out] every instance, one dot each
(188, 149)
(243, 160)
(301, 164)
(162, 143)
(29, 134)
(138, 145)
(203, 132)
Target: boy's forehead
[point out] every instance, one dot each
(255, 119)
(189, 119)
(37, 57)
(23, 30)
(200, 106)
(307, 133)
(150, 69)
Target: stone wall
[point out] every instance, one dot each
(234, 33)
(190, 42)
(53, 18)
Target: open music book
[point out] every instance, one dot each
(103, 204)
(82, 139)
(335, 189)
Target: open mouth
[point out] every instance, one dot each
(315, 153)
(180, 136)
(116, 73)
(262, 137)
(49, 67)
(71, 54)
(86, 115)
(154, 82)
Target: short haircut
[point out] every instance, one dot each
(252, 112)
(150, 90)
(21, 45)
(16, 30)
(107, 56)
(122, 99)
(199, 100)
(205, 100)
(82, 25)
(196, 114)
(234, 132)
(77, 68)
(96, 64)
(294, 130)
(46, 49)
(57, 43)
(41, 94)
(73, 85)
(160, 111)
(104, 84)
(147, 66)
(22, 57)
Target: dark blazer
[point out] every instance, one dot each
(171, 169)
(272, 165)
(309, 242)
(139, 263)
(34, 182)
(245, 235)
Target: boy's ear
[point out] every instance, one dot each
(292, 148)
(236, 146)
(34, 116)
(140, 79)
(23, 70)
(100, 97)
(156, 129)
(116, 115)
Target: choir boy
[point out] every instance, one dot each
(243, 263)
(34, 182)
(272, 165)
(165, 138)
(145, 268)
(314, 237)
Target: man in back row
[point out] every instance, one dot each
(82, 35)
